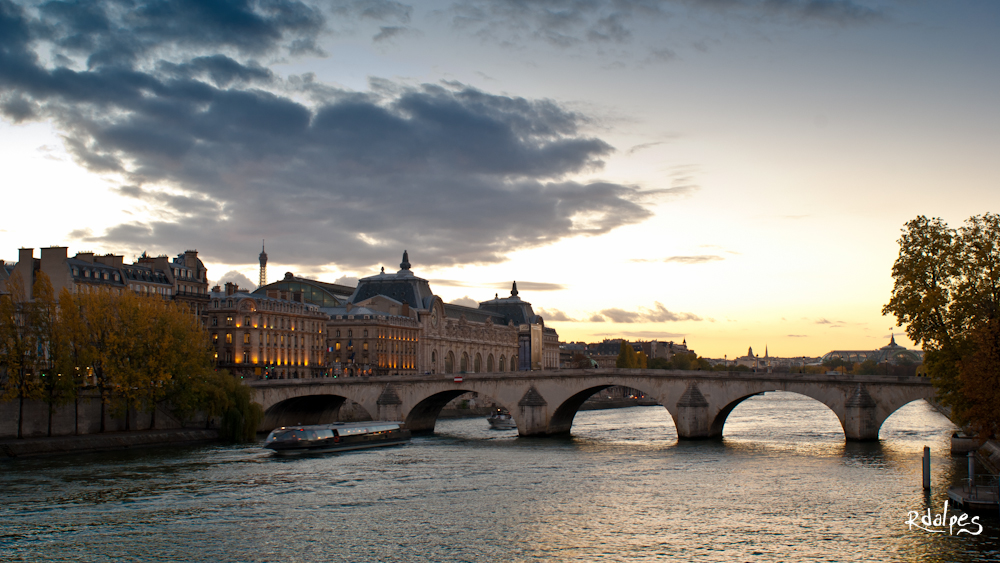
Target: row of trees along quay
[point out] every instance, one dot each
(135, 351)
(946, 293)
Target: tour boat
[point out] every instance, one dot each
(501, 420)
(335, 437)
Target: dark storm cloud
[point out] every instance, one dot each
(215, 147)
(378, 10)
(221, 69)
(118, 32)
(569, 23)
(563, 23)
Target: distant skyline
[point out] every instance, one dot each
(734, 172)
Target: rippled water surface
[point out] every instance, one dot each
(781, 486)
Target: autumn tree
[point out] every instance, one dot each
(20, 348)
(980, 379)
(641, 360)
(73, 361)
(946, 292)
(626, 356)
(58, 387)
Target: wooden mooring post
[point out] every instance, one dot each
(927, 468)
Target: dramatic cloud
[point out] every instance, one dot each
(647, 335)
(571, 23)
(216, 149)
(553, 315)
(521, 285)
(658, 314)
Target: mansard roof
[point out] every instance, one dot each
(511, 308)
(322, 294)
(402, 286)
(472, 314)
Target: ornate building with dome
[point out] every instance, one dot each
(393, 323)
(891, 353)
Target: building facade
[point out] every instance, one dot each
(259, 336)
(891, 353)
(184, 279)
(393, 324)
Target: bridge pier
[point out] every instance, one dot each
(388, 406)
(861, 421)
(693, 420)
(533, 415)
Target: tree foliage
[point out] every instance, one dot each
(137, 351)
(22, 347)
(946, 292)
(626, 356)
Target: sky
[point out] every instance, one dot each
(730, 172)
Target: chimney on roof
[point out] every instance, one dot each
(111, 260)
(230, 288)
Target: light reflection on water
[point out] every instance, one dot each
(781, 486)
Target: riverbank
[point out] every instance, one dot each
(58, 445)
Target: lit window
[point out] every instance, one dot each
(229, 338)
(246, 338)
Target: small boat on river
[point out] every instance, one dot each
(501, 420)
(335, 437)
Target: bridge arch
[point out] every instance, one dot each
(306, 409)
(561, 422)
(894, 410)
(719, 422)
(422, 417)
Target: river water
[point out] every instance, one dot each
(781, 486)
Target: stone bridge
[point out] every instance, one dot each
(543, 403)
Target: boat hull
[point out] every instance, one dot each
(335, 437)
(502, 423)
(326, 449)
